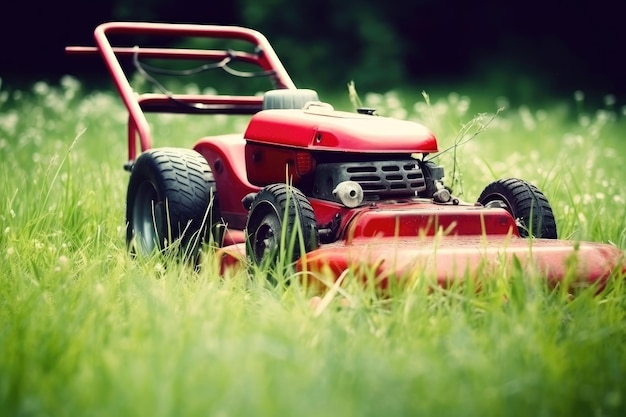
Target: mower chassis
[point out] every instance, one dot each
(393, 240)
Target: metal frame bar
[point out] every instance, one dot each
(137, 105)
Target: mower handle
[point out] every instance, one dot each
(265, 58)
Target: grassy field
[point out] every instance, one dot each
(87, 331)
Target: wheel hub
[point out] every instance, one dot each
(266, 235)
(147, 217)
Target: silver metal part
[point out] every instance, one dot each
(349, 193)
(442, 195)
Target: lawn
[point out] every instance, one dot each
(85, 330)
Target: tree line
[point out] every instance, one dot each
(379, 44)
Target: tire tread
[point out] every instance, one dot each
(526, 203)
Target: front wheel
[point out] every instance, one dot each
(528, 206)
(281, 226)
(171, 202)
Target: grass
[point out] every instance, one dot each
(86, 330)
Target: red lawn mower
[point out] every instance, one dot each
(322, 190)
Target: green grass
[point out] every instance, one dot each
(87, 331)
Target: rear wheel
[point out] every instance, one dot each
(528, 206)
(281, 226)
(171, 203)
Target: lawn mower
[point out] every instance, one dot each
(305, 185)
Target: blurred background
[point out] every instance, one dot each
(528, 51)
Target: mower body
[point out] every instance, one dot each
(378, 204)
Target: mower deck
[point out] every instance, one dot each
(450, 259)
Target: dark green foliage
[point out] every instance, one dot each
(529, 49)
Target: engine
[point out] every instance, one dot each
(380, 179)
(318, 148)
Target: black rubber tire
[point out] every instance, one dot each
(171, 202)
(528, 206)
(278, 214)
